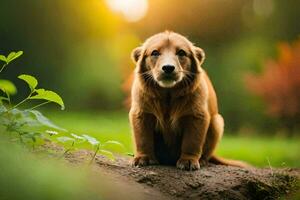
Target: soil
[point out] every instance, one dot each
(210, 182)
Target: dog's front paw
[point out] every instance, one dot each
(188, 164)
(145, 160)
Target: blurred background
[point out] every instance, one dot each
(81, 49)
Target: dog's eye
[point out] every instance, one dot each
(155, 53)
(181, 53)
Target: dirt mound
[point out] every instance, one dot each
(210, 182)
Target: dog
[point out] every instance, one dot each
(174, 111)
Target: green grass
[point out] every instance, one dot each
(257, 150)
(262, 151)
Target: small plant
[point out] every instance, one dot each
(30, 125)
(101, 148)
(74, 140)
(12, 56)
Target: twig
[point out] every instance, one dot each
(93, 158)
(41, 104)
(3, 66)
(270, 166)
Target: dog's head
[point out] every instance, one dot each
(168, 59)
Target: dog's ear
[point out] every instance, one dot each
(136, 54)
(200, 55)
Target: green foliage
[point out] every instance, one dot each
(98, 147)
(32, 82)
(31, 126)
(41, 93)
(8, 87)
(23, 177)
(12, 56)
(49, 96)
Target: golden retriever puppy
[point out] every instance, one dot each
(174, 112)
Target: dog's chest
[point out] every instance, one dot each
(168, 114)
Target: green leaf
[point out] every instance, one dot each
(45, 121)
(2, 109)
(64, 139)
(3, 58)
(114, 143)
(13, 55)
(49, 96)
(77, 137)
(10, 56)
(107, 154)
(40, 91)
(114, 146)
(51, 132)
(8, 87)
(32, 135)
(130, 154)
(91, 140)
(30, 80)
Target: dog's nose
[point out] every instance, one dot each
(168, 69)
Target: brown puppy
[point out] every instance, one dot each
(174, 112)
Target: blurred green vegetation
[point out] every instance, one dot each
(258, 150)
(25, 176)
(82, 49)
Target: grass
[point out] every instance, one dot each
(258, 150)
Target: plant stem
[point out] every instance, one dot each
(21, 102)
(93, 158)
(3, 66)
(8, 98)
(66, 151)
(41, 104)
(69, 149)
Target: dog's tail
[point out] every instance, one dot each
(223, 161)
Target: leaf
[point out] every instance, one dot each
(41, 90)
(49, 96)
(111, 145)
(130, 154)
(51, 132)
(8, 87)
(10, 56)
(13, 55)
(45, 121)
(3, 58)
(32, 135)
(77, 137)
(64, 139)
(108, 154)
(91, 140)
(30, 80)
(114, 143)
(2, 109)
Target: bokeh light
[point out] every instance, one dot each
(132, 10)
(263, 8)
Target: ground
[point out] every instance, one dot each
(167, 182)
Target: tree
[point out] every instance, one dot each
(279, 85)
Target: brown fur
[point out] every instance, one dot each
(174, 123)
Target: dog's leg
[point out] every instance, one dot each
(143, 129)
(214, 135)
(194, 134)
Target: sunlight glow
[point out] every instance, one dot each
(133, 10)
